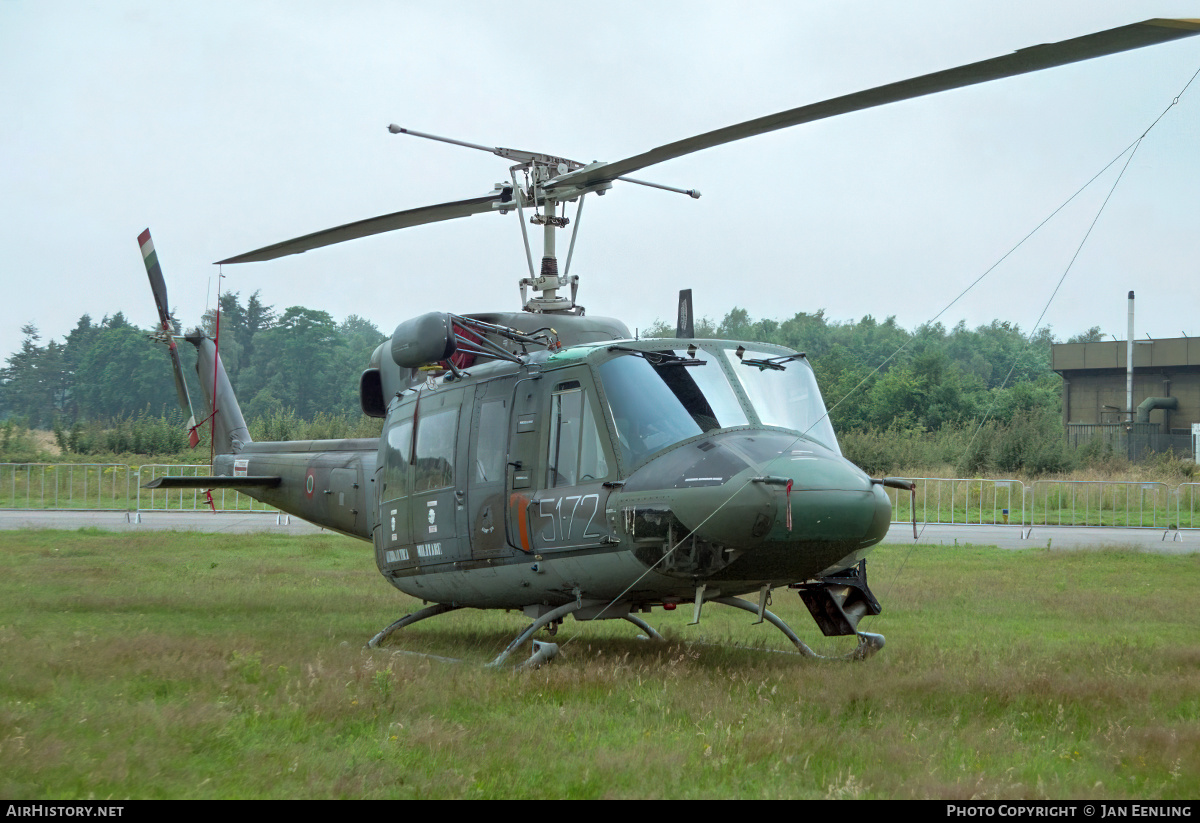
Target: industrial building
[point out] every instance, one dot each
(1156, 407)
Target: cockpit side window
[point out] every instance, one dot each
(647, 411)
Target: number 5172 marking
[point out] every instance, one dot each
(561, 514)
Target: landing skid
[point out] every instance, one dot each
(558, 614)
(868, 642)
(542, 652)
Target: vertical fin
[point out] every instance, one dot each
(229, 427)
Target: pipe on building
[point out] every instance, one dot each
(1151, 403)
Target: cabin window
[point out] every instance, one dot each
(491, 437)
(437, 434)
(399, 447)
(576, 451)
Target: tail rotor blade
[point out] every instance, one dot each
(159, 287)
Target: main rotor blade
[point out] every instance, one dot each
(372, 225)
(1036, 58)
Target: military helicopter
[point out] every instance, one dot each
(543, 460)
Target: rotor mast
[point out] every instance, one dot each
(548, 281)
(538, 171)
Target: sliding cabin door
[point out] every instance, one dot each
(487, 466)
(559, 494)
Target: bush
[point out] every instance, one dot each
(17, 444)
(285, 424)
(145, 434)
(1031, 443)
(901, 448)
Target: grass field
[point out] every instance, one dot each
(208, 666)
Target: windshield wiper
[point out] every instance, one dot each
(773, 363)
(660, 358)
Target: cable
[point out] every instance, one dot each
(1070, 264)
(1131, 150)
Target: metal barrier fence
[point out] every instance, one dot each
(1116, 503)
(1134, 440)
(1102, 503)
(111, 487)
(938, 500)
(960, 501)
(100, 486)
(1189, 517)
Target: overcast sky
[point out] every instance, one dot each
(227, 126)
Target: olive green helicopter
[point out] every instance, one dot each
(547, 461)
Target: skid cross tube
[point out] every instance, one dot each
(545, 620)
(868, 643)
(646, 627)
(408, 620)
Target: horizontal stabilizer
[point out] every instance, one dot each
(213, 482)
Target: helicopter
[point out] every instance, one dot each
(549, 462)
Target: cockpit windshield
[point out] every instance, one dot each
(784, 394)
(658, 399)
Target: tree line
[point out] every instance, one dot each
(877, 375)
(297, 361)
(886, 387)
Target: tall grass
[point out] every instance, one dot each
(1026, 447)
(287, 425)
(150, 438)
(189, 666)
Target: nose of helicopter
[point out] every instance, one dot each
(807, 495)
(830, 499)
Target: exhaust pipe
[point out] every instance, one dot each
(1129, 363)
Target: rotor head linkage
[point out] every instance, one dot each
(541, 173)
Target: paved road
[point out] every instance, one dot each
(1006, 537)
(1041, 537)
(176, 521)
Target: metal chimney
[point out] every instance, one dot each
(1129, 362)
